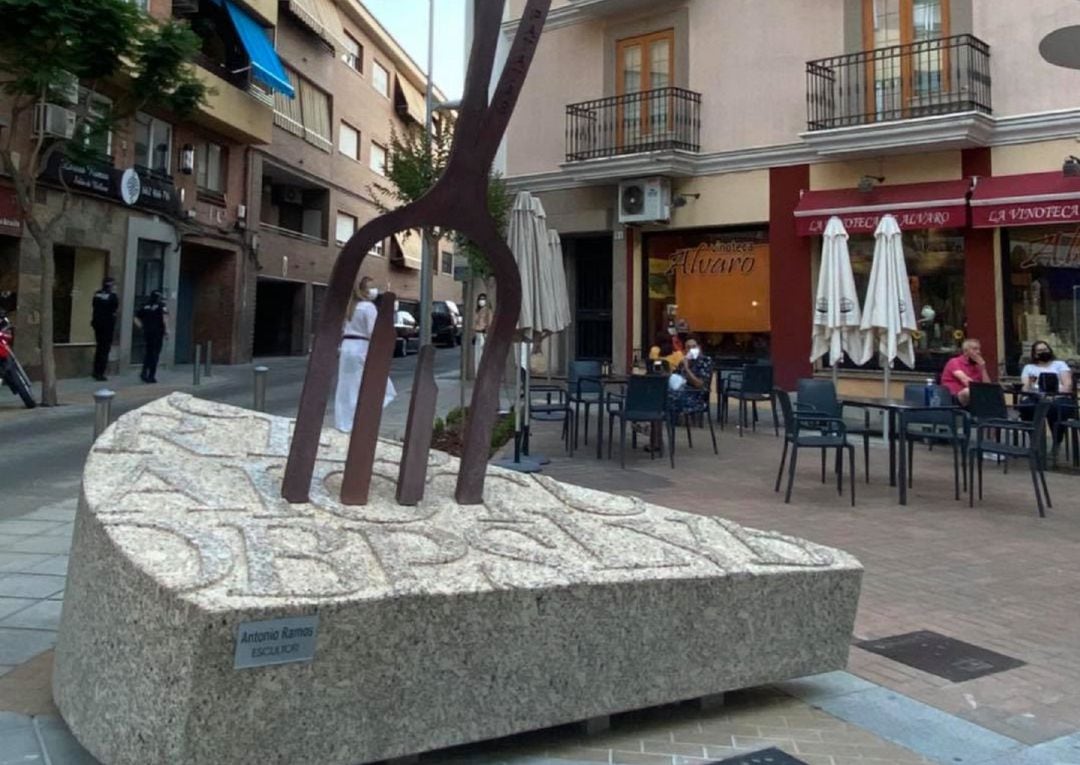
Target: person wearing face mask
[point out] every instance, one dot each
(481, 322)
(1042, 363)
(353, 355)
(697, 370)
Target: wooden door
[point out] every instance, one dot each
(898, 85)
(644, 64)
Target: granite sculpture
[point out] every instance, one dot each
(207, 620)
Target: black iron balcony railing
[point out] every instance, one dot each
(663, 119)
(942, 76)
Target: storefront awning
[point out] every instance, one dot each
(322, 18)
(408, 249)
(265, 65)
(1032, 199)
(938, 204)
(409, 101)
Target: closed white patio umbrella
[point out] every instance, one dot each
(888, 316)
(837, 318)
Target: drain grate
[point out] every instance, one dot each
(770, 756)
(939, 655)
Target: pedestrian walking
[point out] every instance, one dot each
(481, 322)
(105, 305)
(152, 318)
(353, 355)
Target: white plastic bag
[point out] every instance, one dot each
(676, 382)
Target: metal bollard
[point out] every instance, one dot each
(209, 358)
(196, 369)
(260, 388)
(102, 410)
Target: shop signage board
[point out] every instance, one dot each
(135, 187)
(938, 204)
(1028, 199)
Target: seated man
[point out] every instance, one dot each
(962, 370)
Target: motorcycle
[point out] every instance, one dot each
(11, 371)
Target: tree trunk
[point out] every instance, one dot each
(45, 294)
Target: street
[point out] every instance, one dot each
(44, 449)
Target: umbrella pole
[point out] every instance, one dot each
(526, 357)
(835, 374)
(517, 407)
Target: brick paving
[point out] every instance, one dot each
(994, 575)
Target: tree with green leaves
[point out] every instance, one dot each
(105, 46)
(414, 162)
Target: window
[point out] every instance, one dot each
(315, 108)
(210, 160)
(153, 143)
(377, 250)
(378, 158)
(96, 133)
(143, 5)
(349, 141)
(287, 113)
(644, 64)
(346, 227)
(1041, 271)
(895, 84)
(935, 265)
(354, 53)
(307, 115)
(380, 78)
(447, 262)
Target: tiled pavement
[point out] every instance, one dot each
(995, 575)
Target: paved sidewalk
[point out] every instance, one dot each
(996, 576)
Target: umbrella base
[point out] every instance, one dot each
(537, 458)
(525, 465)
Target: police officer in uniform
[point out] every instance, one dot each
(105, 306)
(151, 317)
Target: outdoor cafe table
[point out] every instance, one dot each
(605, 381)
(896, 409)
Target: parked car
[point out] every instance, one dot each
(406, 327)
(445, 323)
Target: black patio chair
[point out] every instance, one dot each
(583, 386)
(937, 425)
(552, 405)
(1031, 446)
(752, 385)
(820, 396)
(812, 430)
(697, 406)
(645, 401)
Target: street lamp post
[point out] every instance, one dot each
(426, 256)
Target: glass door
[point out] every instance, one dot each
(149, 276)
(644, 66)
(907, 66)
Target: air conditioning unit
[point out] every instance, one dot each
(289, 195)
(645, 200)
(54, 120)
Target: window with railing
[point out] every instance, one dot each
(919, 79)
(661, 119)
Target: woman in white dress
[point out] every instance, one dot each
(353, 355)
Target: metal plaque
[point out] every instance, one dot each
(276, 641)
(940, 655)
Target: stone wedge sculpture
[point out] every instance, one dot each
(207, 620)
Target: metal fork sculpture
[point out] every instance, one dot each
(457, 201)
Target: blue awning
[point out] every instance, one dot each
(265, 65)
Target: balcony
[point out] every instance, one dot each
(925, 95)
(613, 135)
